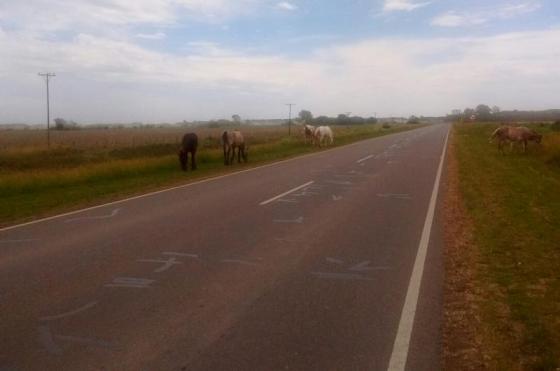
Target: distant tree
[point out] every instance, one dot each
(495, 110)
(236, 118)
(322, 120)
(59, 124)
(62, 124)
(305, 116)
(456, 112)
(371, 120)
(469, 114)
(413, 120)
(342, 119)
(483, 112)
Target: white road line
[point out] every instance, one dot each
(406, 323)
(198, 182)
(364, 159)
(286, 193)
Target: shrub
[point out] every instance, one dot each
(555, 126)
(386, 126)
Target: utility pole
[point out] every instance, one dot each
(47, 76)
(290, 118)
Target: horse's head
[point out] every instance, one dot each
(183, 159)
(538, 138)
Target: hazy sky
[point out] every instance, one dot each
(169, 60)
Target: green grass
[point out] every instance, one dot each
(39, 183)
(514, 202)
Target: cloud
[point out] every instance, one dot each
(484, 15)
(403, 5)
(81, 15)
(390, 76)
(453, 19)
(284, 5)
(152, 36)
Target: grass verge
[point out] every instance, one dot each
(513, 203)
(39, 183)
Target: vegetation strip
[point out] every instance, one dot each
(67, 179)
(514, 204)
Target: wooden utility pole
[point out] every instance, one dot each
(290, 118)
(47, 76)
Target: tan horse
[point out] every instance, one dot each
(520, 134)
(233, 140)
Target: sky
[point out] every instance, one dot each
(120, 61)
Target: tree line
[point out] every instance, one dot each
(483, 112)
(306, 117)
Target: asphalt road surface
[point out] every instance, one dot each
(299, 265)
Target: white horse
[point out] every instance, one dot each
(323, 134)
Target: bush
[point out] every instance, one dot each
(555, 126)
(386, 126)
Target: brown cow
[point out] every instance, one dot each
(520, 134)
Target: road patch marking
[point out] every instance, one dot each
(171, 253)
(341, 276)
(364, 159)
(296, 220)
(399, 355)
(239, 261)
(71, 313)
(113, 213)
(138, 283)
(286, 193)
(20, 241)
(166, 263)
(400, 196)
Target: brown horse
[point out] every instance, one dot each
(520, 134)
(189, 144)
(231, 141)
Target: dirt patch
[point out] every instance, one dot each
(462, 345)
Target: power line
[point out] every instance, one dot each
(47, 76)
(290, 118)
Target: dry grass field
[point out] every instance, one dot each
(36, 140)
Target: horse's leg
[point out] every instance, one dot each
(226, 154)
(193, 159)
(238, 154)
(232, 154)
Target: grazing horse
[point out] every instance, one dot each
(308, 132)
(323, 134)
(189, 144)
(514, 135)
(234, 140)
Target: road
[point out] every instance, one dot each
(303, 265)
